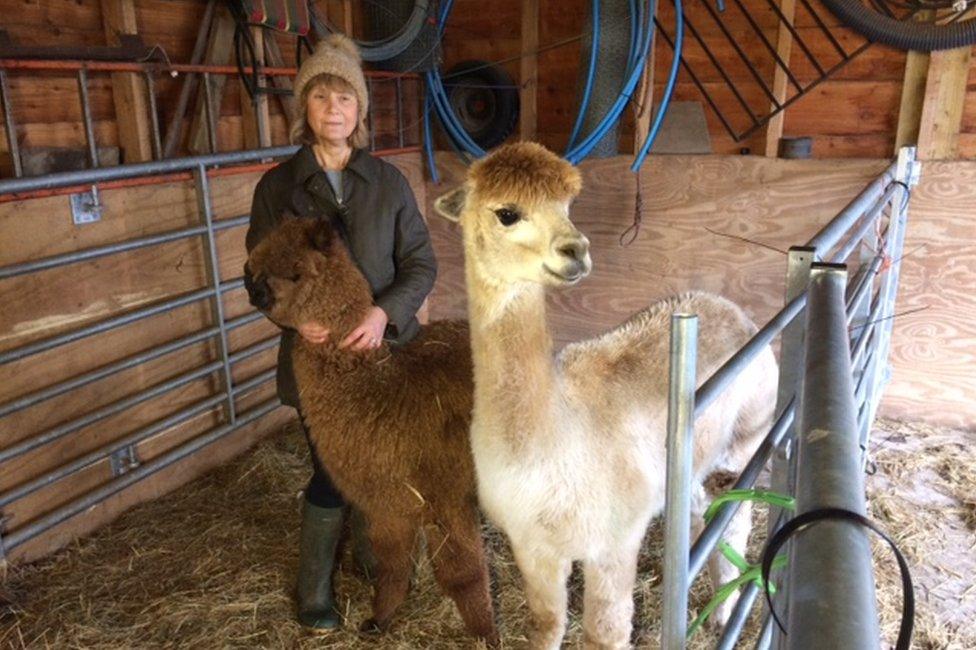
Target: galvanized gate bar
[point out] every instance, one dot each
(102, 174)
(725, 375)
(830, 234)
(830, 582)
(14, 270)
(677, 504)
(203, 199)
(857, 238)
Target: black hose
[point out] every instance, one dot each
(904, 35)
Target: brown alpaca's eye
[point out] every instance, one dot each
(507, 216)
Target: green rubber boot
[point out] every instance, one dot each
(321, 529)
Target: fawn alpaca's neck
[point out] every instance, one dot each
(512, 353)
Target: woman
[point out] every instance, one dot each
(369, 201)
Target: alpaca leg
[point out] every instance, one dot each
(458, 557)
(608, 599)
(392, 542)
(545, 592)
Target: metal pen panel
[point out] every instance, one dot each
(203, 199)
(830, 583)
(830, 234)
(677, 509)
(38, 396)
(102, 174)
(112, 323)
(20, 536)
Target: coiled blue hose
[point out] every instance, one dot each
(588, 88)
(679, 25)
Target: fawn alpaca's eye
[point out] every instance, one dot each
(507, 216)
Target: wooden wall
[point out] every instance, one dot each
(779, 203)
(47, 303)
(853, 115)
(47, 108)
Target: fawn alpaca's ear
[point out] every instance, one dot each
(450, 205)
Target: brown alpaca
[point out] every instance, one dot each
(391, 427)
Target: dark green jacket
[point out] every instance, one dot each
(385, 233)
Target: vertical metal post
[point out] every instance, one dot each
(89, 129)
(203, 197)
(790, 359)
(208, 105)
(87, 118)
(399, 112)
(153, 115)
(9, 125)
(907, 172)
(677, 509)
(830, 580)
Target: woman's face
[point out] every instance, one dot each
(332, 114)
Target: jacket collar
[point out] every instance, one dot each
(360, 163)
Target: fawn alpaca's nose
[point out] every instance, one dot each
(575, 248)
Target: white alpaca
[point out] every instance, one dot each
(570, 448)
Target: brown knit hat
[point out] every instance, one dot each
(336, 55)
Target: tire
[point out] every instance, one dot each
(485, 100)
(903, 35)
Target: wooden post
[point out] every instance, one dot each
(347, 17)
(784, 46)
(945, 95)
(529, 69)
(128, 88)
(218, 53)
(256, 124)
(912, 93)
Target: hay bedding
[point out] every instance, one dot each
(212, 565)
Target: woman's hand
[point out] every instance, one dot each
(313, 332)
(369, 334)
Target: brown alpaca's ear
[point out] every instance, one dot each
(321, 235)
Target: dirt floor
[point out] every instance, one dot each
(212, 565)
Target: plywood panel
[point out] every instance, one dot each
(778, 203)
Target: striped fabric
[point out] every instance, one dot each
(284, 15)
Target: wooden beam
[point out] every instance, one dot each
(529, 70)
(942, 108)
(347, 12)
(218, 53)
(273, 56)
(912, 92)
(784, 47)
(256, 123)
(128, 88)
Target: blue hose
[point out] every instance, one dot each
(429, 143)
(668, 90)
(588, 88)
(635, 67)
